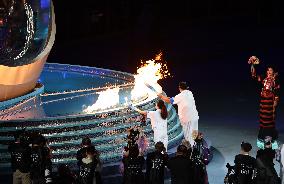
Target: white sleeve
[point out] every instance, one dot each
(282, 155)
(176, 99)
(150, 114)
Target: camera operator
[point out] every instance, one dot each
(20, 159)
(266, 173)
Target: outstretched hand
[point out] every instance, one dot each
(131, 106)
(160, 95)
(164, 98)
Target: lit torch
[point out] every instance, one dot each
(147, 77)
(145, 83)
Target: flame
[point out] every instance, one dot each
(159, 56)
(150, 72)
(107, 99)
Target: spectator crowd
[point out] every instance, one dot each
(31, 161)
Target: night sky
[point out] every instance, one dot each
(206, 43)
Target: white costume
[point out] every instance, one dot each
(282, 163)
(159, 126)
(187, 112)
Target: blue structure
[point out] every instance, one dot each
(55, 109)
(63, 123)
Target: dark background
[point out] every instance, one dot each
(206, 43)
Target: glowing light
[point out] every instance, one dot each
(159, 56)
(149, 73)
(30, 30)
(126, 101)
(107, 99)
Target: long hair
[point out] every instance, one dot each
(162, 106)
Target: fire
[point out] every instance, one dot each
(107, 99)
(159, 56)
(148, 74)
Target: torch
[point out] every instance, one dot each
(151, 88)
(131, 106)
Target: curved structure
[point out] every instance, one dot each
(65, 127)
(29, 32)
(59, 113)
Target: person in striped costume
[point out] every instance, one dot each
(269, 98)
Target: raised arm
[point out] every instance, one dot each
(141, 112)
(138, 110)
(253, 71)
(165, 98)
(253, 60)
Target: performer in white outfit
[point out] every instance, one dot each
(158, 122)
(187, 112)
(280, 158)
